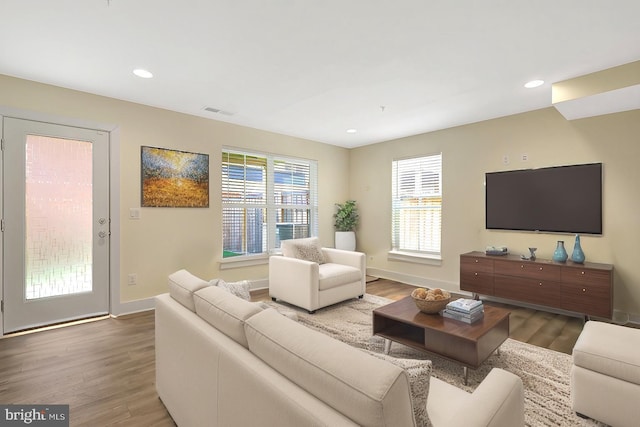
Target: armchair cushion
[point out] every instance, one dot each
(331, 275)
(307, 249)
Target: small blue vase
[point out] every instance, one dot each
(577, 255)
(560, 254)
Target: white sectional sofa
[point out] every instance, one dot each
(224, 361)
(605, 375)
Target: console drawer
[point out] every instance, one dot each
(591, 299)
(476, 264)
(542, 292)
(586, 276)
(476, 281)
(533, 270)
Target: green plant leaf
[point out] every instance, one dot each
(346, 217)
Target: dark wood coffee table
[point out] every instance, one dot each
(467, 344)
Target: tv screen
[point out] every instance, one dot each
(563, 199)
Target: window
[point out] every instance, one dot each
(416, 209)
(266, 199)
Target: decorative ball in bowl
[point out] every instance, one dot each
(430, 301)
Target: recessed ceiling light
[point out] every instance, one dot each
(352, 130)
(142, 73)
(533, 83)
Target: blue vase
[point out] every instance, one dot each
(577, 255)
(560, 254)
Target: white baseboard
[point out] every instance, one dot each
(259, 284)
(145, 304)
(625, 318)
(414, 280)
(130, 307)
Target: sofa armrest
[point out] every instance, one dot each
(497, 402)
(350, 258)
(294, 280)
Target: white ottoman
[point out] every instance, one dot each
(605, 376)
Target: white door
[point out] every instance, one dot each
(55, 218)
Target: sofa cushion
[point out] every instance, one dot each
(225, 312)
(331, 275)
(182, 286)
(610, 350)
(368, 390)
(307, 249)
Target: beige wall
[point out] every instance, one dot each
(167, 239)
(164, 239)
(470, 151)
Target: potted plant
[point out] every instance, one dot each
(345, 221)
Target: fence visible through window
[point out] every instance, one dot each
(265, 200)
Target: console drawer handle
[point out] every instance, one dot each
(582, 272)
(540, 284)
(540, 268)
(475, 274)
(584, 290)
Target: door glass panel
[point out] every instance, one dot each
(58, 219)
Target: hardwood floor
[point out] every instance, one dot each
(105, 370)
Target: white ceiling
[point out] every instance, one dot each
(313, 69)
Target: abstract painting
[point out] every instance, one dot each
(174, 179)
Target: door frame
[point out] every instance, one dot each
(115, 307)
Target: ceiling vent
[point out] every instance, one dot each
(218, 111)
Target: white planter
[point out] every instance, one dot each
(346, 240)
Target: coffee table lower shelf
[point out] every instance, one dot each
(466, 344)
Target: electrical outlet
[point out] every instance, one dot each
(505, 159)
(132, 279)
(524, 157)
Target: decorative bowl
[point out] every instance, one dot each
(430, 301)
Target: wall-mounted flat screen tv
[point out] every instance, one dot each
(562, 199)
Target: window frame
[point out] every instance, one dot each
(270, 206)
(423, 164)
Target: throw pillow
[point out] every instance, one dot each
(239, 289)
(307, 249)
(419, 372)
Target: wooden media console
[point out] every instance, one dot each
(582, 288)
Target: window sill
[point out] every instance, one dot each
(416, 258)
(243, 261)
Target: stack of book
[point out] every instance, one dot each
(464, 310)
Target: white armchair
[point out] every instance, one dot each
(312, 277)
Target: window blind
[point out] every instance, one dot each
(266, 199)
(416, 209)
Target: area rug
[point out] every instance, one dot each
(544, 373)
